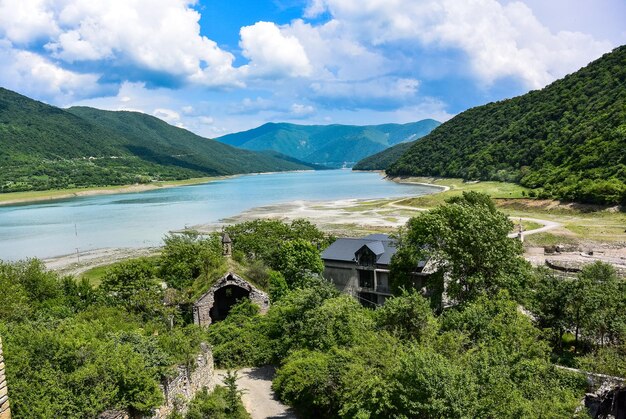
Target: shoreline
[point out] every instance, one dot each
(32, 197)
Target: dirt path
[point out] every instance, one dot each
(258, 398)
(547, 225)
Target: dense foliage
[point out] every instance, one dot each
(467, 239)
(567, 139)
(74, 351)
(292, 249)
(330, 145)
(384, 159)
(43, 147)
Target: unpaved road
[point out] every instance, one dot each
(258, 398)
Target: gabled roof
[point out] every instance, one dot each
(344, 249)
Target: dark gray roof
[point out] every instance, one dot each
(344, 249)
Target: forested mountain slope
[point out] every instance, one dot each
(44, 147)
(569, 139)
(383, 159)
(332, 145)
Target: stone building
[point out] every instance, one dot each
(360, 267)
(5, 411)
(215, 304)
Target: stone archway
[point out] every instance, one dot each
(216, 303)
(224, 299)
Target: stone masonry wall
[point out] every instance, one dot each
(178, 391)
(202, 307)
(5, 411)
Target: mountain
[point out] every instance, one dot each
(383, 159)
(568, 139)
(44, 147)
(330, 145)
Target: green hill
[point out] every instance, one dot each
(384, 159)
(568, 139)
(44, 147)
(330, 145)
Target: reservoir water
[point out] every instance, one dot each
(59, 227)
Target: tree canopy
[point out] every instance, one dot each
(567, 139)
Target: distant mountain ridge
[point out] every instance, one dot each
(45, 147)
(383, 159)
(331, 145)
(567, 139)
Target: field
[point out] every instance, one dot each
(583, 225)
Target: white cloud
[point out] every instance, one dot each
(25, 21)
(34, 75)
(168, 115)
(148, 35)
(273, 53)
(300, 110)
(376, 93)
(500, 40)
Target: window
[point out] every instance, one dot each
(365, 257)
(368, 299)
(366, 279)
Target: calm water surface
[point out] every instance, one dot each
(141, 219)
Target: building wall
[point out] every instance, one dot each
(342, 275)
(345, 276)
(179, 390)
(5, 411)
(202, 307)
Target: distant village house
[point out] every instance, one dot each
(360, 267)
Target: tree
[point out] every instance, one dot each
(468, 240)
(133, 284)
(233, 395)
(595, 303)
(407, 316)
(297, 259)
(186, 256)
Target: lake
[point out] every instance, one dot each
(59, 227)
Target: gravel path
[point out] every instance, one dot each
(258, 398)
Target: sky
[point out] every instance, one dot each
(221, 66)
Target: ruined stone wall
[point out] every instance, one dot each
(5, 411)
(202, 307)
(179, 390)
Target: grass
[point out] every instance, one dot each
(96, 274)
(580, 223)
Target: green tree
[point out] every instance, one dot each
(468, 240)
(186, 256)
(133, 284)
(407, 316)
(296, 260)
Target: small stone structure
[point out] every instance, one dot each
(179, 390)
(227, 246)
(216, 303)
(5, 411)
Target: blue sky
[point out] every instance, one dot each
(218, 66)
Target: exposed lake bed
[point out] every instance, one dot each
(140, 220)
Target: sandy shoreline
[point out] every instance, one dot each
(342, 217)
(52, 195)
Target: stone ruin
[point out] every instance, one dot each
(179, 390)
(5, 411)
(215, 304)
